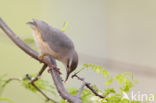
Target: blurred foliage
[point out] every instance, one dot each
(65, 26)
(42, 84)
(6, 99)
(29, 40)
(3, 83)
(112, 95)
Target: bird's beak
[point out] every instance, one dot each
(67, 75)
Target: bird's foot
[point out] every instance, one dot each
(41, 57)
(54, 67)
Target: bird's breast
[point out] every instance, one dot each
(43, 46)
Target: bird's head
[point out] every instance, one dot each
(71, 64)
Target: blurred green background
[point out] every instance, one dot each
(118, 34)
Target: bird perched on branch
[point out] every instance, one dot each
(54, 43)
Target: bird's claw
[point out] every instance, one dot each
(41, 57)
(54, 67)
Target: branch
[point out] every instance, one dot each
(36, 87)
(88, 86)
(39, 74)
(39, 90)
(80, 90)
(55, 75)
(9, 80)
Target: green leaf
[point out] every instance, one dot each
(6, 99)
(120, 78)
(130, 74)
(110, 90)
(135, 101)
(65, 25)
(127, 86)
(108, 82)
(92, 66)
(86, 66)
(97, 70)
(72, 91)
(42, 84)
(106, 74)
(29, 40)
(125, 100)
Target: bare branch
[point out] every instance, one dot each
(94, 91)
(88, 86)
(55, 75)
(20, 43)
(80, 90)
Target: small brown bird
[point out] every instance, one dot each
(54, 43)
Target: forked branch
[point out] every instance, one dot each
(88, 86)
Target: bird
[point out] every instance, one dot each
(54, 43)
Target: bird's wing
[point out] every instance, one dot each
(55, 38)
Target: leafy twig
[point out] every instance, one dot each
(38, 89)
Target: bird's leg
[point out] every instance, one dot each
(41, 57)
(39, 74)
(51, 66)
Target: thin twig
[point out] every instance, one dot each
(79, 71)
(94, 91)
(40, 73)
(33, 84)
(32, 81)
(39, 90)
(88, 86)
(9, 80)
